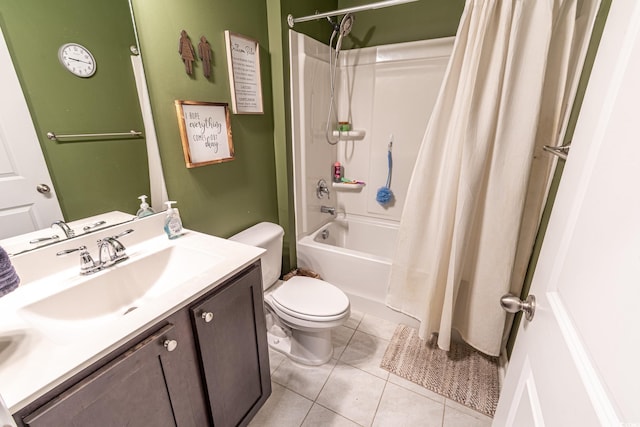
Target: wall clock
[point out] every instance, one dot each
(77, 59)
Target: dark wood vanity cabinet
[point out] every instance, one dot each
(206, 364)
(230, 334)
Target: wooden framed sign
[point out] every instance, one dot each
(243, 60)
(205, 130)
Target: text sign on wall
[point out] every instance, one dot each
(243, 59)
(205, 131)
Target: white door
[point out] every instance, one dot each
(576, 363)
(22, 167)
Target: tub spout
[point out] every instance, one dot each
(328, 209)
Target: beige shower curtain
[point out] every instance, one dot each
(507, 92)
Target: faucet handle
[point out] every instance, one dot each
(87, 264)
(124, 233)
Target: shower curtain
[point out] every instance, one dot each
(507, 91)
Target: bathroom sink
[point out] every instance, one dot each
(115, 291)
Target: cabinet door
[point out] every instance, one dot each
(129, 391)
(232, 339)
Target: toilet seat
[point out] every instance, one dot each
(310, 299)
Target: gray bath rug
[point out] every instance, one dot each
(463, 374)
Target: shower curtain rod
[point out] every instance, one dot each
(379, 5)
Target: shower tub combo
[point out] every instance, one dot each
(355, 254)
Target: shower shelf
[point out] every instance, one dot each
(350, 135)
(349, 187)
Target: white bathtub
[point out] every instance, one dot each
(355, 255)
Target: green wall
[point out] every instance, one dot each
(224, 198)
(90, 176)
(421, 20)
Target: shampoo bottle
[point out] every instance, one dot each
(172, 224)
(144, 210)
(337, 172)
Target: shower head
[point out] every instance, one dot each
(346, 23)
(345, 28)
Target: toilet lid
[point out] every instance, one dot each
(312, 297)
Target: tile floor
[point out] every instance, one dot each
(352, 389)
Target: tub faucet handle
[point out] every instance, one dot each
(322, 189)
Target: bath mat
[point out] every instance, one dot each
(463, 374)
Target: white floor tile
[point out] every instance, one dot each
(376, 326)
(352, 393)
(456, 418)
(354, 319)
(451, 405)
(401, 407)
(304, 380)
(340, 337)
(410, 385)
(319, 416)
(352, 390)
(365, 352)
(284, 408)
(275, 359)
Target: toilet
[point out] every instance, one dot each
(302, 311)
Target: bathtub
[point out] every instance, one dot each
(355, 255)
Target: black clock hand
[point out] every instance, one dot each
(79, 60)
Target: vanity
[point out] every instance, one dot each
(174, 335)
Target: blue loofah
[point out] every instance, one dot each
(384, 195)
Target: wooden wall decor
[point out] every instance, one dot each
(185, 49)
(204, 51)
(205, 130)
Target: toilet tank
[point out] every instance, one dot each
(268, 236)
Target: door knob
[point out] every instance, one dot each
(43, 188)
(170, 345)
(513, 304)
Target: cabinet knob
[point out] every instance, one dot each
(207, 316)
(170, 345)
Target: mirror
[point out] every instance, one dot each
(22, 243)
(90, 175)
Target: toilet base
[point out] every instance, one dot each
(307, 348)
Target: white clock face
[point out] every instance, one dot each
(77, 59)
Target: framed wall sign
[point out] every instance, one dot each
(243, 60)
(205, 130)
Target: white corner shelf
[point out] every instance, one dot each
(347, 187)
(350, 135)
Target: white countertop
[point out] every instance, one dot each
(32, 362)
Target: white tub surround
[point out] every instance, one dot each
(382, 91)
(37, 356)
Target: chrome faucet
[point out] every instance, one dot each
(65, 228)
(110, 252)
(328, 209)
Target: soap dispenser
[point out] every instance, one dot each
(173, 223)
(144, 210)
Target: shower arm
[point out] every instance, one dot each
(379, 5)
